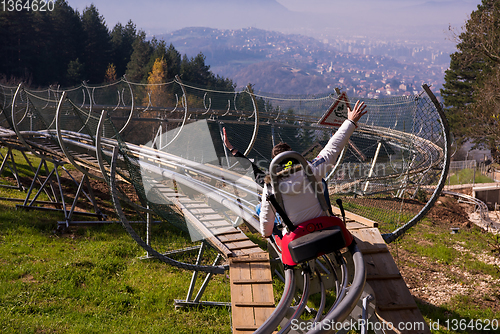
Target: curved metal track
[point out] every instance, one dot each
(87, 149)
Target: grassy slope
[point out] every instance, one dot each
(452, 276)
(92, 281)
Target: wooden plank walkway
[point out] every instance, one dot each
(252, 297)
(394, 303)
(209, 224)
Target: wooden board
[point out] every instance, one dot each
(394, 303)
(355, 217)
(252, 298)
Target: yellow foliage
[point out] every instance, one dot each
(194, 101)
(156, 91)
(110, 73)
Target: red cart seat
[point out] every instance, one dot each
(313, 238)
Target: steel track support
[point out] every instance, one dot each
(30, 204)
(42, 187)
(189, 302)
(8, 160)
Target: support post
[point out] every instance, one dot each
(375, 157)
(148, 229)
(195, 273)
(13, 169)
(273, 135)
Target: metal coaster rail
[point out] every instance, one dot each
(107, 156)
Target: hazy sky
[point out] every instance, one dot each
(376, 19)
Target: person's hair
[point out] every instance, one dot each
(280, 148)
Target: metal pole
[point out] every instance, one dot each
(47, 180)
(256, 124)
(474, 177)
(15, 173)
(205, 282)
(148, 229)
(50, 182)
(75, 200)
(195, 273)
(364, 314)
(373, 164)
(61, 192)
(272, 135)
(224, 146)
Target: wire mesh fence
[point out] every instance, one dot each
(386, 173)
(468, 173)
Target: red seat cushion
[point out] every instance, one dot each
(308, 227)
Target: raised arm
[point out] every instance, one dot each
(244, 161)
(328, 155)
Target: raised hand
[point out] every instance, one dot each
(358, 111)
(226, 141)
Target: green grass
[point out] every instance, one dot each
(25, 172)
(91, 281)
(389, 219)
(435, 246)
(466, 176)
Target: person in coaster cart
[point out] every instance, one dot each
(300, 203)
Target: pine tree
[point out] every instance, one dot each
(470, 90)
(122, 39)
(97, 50)
(17, 31)
(75, 71)
(173, 60)
(64, 42)
(137, 66)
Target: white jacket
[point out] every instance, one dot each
(299, 201)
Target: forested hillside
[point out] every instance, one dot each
(64, 47)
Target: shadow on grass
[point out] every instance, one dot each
(443, 320)
(40, 221)
(10, 218)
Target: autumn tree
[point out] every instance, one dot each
(156, 91)
(110, 73)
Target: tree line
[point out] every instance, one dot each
(471, 91)
(65, 47)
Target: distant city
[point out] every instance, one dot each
(281, 63)
(414, 65)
